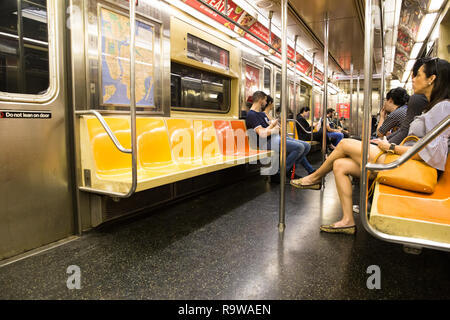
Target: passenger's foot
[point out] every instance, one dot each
(340, 227)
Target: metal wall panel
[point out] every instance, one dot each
(36, 205)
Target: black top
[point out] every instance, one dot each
(254, 120)
(416, 104)
(302, 135)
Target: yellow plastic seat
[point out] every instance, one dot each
(206, 143)
(108, 159)
(168, 150)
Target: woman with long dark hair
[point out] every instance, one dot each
(432, 80)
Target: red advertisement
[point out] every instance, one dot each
(343, 110)
(246, 20)
(251, 82)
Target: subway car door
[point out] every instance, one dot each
(36, 203)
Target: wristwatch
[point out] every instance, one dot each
(392, 148)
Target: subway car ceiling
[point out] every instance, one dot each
(410, 28)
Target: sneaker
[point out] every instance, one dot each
(356, 209)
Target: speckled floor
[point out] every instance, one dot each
(225, 244)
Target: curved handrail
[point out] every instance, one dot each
(308, 132)
(132, 115)
(106, 127)
(364, 179)
(430, 136)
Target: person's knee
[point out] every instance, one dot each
(339, 166)
(307, 147)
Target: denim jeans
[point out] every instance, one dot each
(296, 151)
(335, 137)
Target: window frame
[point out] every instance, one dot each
(53, 64)
(202, 110)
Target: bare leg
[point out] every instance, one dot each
(347, 148)
(343, 169)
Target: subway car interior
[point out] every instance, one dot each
(178, 149)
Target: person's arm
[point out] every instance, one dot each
(391, 121)
(380, 123)
(385, 145)
(273, 128)
(416, 105)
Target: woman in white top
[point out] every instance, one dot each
(432, 80)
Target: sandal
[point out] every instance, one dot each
(298, 184)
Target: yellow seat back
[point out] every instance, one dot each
(153, 143)
(108, 159)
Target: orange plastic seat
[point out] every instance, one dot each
(168, 150)
(225, 137)
(401, 212)
(241, 139)
(108, 159)
(206, 142)
(154, 152)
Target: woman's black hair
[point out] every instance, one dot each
(398, 95)
(441, 69)
(304, 109)
(269, 101)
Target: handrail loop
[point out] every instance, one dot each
(106, 127)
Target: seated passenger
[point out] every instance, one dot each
(334, 134)
(393, 111)
(304, 129)
(338, 125)
(416, 105)
(267, 134)
(432, 80)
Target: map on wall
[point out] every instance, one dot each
(115, 60)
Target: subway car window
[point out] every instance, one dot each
(24, 58)
(252, 84)
(198, 90)
(208, 53)
(267, 80)
(277, 92)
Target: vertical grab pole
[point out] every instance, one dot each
(368, 58)
(383, 84)
(295, 80)
(133, 93)
(313, 104)
(357, 105)
(281, 223)
(351, 100)
(325, 87)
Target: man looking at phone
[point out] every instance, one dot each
(265, 134)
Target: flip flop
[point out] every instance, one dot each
(298, 184)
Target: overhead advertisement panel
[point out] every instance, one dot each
(245, 20)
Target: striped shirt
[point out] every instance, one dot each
(393, 120)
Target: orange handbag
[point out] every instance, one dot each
(413, 175)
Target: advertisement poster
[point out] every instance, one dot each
(237, 14)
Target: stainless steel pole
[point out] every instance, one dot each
(313, 103)
(133, 93)
(281, 224)
(351, 128)
(383, 83)
(270, 26)
(357, 106)
(325, 86)
(368, 58)
(295, 80)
